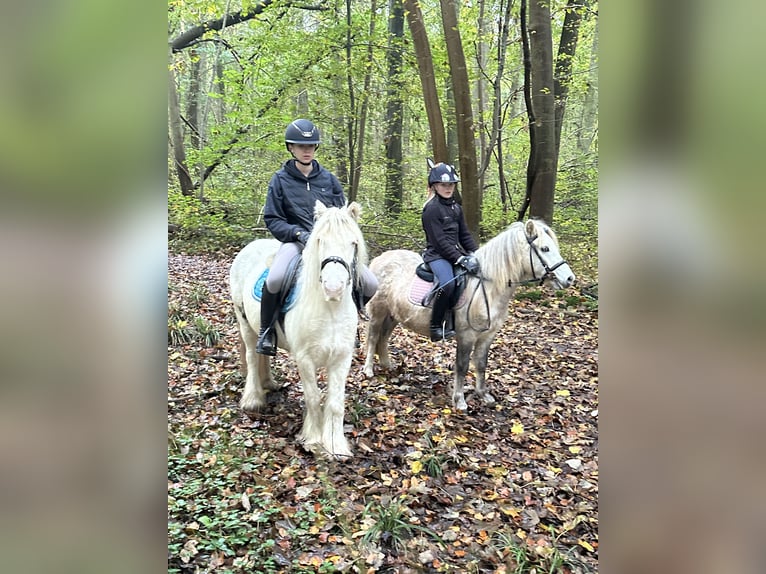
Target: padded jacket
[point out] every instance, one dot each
(447, 235)
(291, 197)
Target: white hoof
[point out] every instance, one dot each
(461, 405)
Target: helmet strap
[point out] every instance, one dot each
(299, 161)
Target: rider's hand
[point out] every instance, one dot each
(469, 263)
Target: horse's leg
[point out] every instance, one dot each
(480, 352)
(333, 439)
(386, 328)
(462, 359)
(242, 352)
(379, 330)
(254, 394)
(311, 433)
(373, 333)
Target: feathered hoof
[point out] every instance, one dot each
(461, 405)
(338, 454)
(252, 408)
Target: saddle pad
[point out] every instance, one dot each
(258, 292)
(419, 289)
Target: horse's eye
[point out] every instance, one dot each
(546, 249)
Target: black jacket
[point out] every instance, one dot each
(447, 234)
(291, 197)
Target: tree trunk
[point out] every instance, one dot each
(562, 76)
(351, 127)
(177, 136)
(482, 57)
(394, 108)
(464, 117)
(541, 171)
(427, 79)
(362, 124)
(192, 98)
(587, 129)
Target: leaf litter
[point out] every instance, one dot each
(497, 489)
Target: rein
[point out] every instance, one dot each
(486, 304)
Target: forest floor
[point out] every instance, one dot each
(506, 488)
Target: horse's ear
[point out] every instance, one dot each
(430, 163)
(354, 210)
(530, 228)
(319, 209)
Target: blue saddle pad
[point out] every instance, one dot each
(258, 292)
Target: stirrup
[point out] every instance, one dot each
(440, 333)
(266, 343)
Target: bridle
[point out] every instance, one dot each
(350, 269)
(548, 270)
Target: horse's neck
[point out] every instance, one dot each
(501, 263)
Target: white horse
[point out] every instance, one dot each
(523, 253)
(319, 330)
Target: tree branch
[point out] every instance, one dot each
(186, 39)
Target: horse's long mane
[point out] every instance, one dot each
(336, 225)
(502, 257)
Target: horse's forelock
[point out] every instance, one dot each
(335, 225)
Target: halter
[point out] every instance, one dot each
(548, 270)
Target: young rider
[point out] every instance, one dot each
(289, 216)
(448, 242)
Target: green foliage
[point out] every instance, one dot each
(529, 295)
(522, 560)
(183, 328)
(204, 514)
(390, 527)
(263, 85)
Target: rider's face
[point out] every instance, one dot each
(445, 189)
(303, 152)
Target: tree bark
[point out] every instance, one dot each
(464, 117)
(562, 75)
(190, 36)
(541, 172)
(394, 108)
(192, 98)
(587, 128)
(427, 79)
(362, 124)
(177, 137)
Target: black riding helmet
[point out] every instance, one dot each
(442, 173)
(301, 132)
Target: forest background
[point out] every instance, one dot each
(388, 88)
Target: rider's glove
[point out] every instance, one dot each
(301, 237)
(469, 263)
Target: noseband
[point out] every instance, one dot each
(350, 269)
(334, 259)
(548, 270)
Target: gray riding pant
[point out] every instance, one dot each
(285, 254)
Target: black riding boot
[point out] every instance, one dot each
(267, 338)
(440, 306)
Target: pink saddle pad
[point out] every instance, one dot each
(419, 289)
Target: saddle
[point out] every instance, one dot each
(424, 272)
